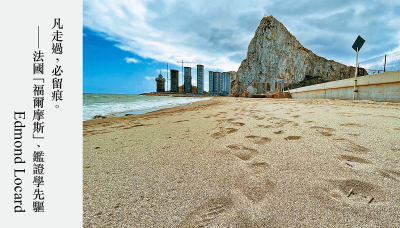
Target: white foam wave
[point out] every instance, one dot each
(143, 105)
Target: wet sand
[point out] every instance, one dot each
(239, 162)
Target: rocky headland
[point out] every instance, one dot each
(274, 53)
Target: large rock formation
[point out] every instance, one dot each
(274, 53)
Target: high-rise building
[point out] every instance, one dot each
(188, 79)
(174, 81)
(200, 78)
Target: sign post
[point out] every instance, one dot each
(357, 46)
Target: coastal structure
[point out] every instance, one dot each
(187, 79)
(226, 83)
(210, 82)
(220, 83)
(200, 79)
(174, 81)
(160, 81)
(217, 81)
(274, 53)
(374, 87)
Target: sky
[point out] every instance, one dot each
(127, 42)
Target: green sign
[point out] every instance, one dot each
(358, 43)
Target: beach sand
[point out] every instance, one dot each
(240, 162)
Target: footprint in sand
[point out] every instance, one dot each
(354, 162)
(251, 136)
(349, 146)
(336, 193)
(231, 130)
(246, 153)
(218, 134)
(362, 164)
(326, 131)
(253, 181)
(242, 152)
(258, 166)
(391, 174)
(357, 191)
(237, 123)
(206, 214)
(350, 125)
(255, 188)
(262, 140)
(222, 132)
(258, 117)
(234, 147)
(244, 218)
(258, 140)
(264, 126)
(354, 159)
(292, 137)
(180, 121)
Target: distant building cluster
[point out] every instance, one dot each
(220, 83)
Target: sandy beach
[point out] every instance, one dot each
(240, 162)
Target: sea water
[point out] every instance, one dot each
(122, 104)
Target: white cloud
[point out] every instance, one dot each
(217, 33)
(149, 78)
(131, 60)
(170, 31)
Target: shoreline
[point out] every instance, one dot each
(176, 94)
(127, 113)
(245, 163)
(150, 114)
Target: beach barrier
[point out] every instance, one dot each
(376, 87)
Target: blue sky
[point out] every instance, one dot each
(127, 42)
(108, 69)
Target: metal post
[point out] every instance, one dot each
(167, 76)
(384, 66)
(355, 78)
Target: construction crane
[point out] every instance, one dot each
(183, 82)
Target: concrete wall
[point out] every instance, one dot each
(376, 87)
